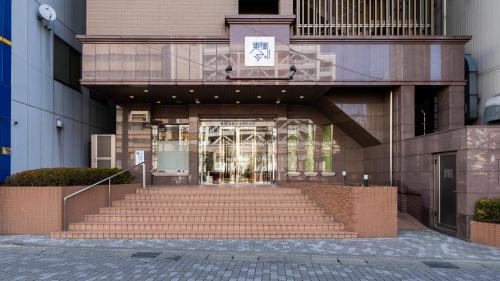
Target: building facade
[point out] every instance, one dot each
(477, 18)
(256, 92)
(50, 117)
(5, 66)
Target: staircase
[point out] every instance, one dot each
(210, 212)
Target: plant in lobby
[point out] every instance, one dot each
(67, 177)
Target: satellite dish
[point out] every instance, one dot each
(47, 13)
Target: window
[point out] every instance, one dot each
(171, 148)
(259, 7)
(309, 145)
(293, 141)
(425, 111)
(67, 64)
(327, 148)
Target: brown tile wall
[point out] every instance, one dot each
(368, 211)
(485, 233)
(159, 17)
(39, 210)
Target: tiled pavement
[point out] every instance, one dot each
(40, 258)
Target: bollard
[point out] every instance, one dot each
(344, 175)
(365, 180)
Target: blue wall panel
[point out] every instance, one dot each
(5, 90)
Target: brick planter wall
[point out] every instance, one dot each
(485, 233)
(39, 210)
(368, 211)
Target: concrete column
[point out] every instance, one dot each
(451, 108)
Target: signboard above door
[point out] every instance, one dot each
(259, 51)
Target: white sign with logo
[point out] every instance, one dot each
(139, 157)
(259, 51)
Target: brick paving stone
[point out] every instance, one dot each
(363, 259)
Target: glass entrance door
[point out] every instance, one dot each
(446, 199)
(237, 152)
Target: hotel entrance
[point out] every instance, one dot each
(241, 151)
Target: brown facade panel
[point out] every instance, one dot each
(316, 63)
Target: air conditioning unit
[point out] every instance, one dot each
(103, 151)
(139, 116)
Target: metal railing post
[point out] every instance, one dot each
(101, 182)
(65, 219)
(144, 175)
(109, 193)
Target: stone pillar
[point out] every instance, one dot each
(403, 129)
(132, 136)
(450, 108)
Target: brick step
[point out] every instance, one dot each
(209, 218)
(210, 211)
(243, 203)
(212, 197)
(210, 190)
(207, 226)
(306, 234)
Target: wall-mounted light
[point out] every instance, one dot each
(47, 15)
(59, 124)
(293, 69)
(229, 68)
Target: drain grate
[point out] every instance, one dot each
(174, 258)
(440, 264)
(146, 255)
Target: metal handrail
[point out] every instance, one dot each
(108, 179)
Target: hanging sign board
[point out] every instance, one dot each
(139, 157)
(259, 51)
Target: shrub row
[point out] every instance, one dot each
(487, 210)
(66, 177)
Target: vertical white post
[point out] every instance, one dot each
(109, 193)
(144, 175)
(445, 17)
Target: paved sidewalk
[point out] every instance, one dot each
(415, 255)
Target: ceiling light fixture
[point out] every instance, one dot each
(158, 102)
(174, 97)
(283, 91)
(259, 97)
(237, 91)
(146, 91)
(191, 91)
(132, 97)
(278, 101)
(301, 97)
(216, 97)
(237, 102)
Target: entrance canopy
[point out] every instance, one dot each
(213, 94)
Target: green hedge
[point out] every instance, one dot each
(66, 177)
(487, 210)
